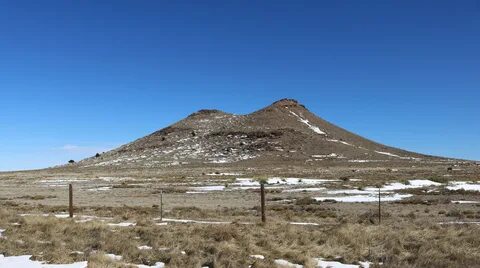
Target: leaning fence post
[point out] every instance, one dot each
(161, 205)
(262, 200)
(379, 207)
(70, 200)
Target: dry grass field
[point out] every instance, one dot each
(212, 219)
(409, 241)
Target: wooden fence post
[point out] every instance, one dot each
(379, 207)
(70, 200)
(262, 200)
(161, 205)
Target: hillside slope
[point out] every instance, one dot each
(282, 132)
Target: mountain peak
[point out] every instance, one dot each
(287, 102)
(206, 112)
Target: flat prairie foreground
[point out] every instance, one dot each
(213, 220)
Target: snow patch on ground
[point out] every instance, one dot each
(464, 185)
(351, 191)
(60, 216)
(281, 181)
(370, 194)
(231, 159)
(25, 262)
(423, 183)
(122, 224)
(193, 221)
(285, 263)
(225, 174)
(60, 182)
(114, 257)
(364, 161)
(87, 218)
(465, 202)
(157, 265)
(364, 198)
(100, 189)
(78, 218)
(313, 189)
(207, 188)
(460, 222)
(332, 155)
(321, 263)
(260, 257)
(304, 223)
(410, 185)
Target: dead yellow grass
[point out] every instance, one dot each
(398, 242)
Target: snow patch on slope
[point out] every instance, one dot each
(386, 153)
(306, 122)
(340, 141)
(394, 155)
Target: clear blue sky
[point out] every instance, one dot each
(77, 77)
